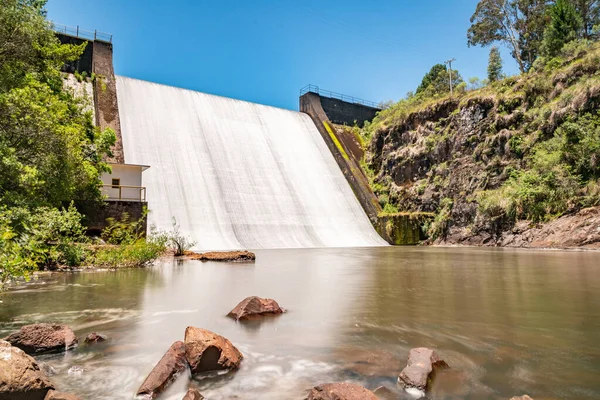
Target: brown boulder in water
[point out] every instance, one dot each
(524, 397)
(41, 338)
(193, 394)
(237, 256)
(253, 306)
(95, 338)
(421, 368)
(54, 395)
(165, 372)
(20, 375)
(206, 351)
(340, 391)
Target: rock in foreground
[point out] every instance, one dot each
(235, 256)
(340, 391)
(95, 338)
(20, 376)
(420, 370)
(165, 372)
(254, 306)
(206, 351)
(524, 397)
(193, 394)
(42, 338)
(54, 395)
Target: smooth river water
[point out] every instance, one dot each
(508, 322)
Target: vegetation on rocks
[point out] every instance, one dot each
(525, 147)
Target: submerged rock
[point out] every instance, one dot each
(524, 397)
(207, 351)
(95, 338)
(20, 376)
(41, 338)
(238, 256)
(165, 372)
(384, 393)
(420, 369)
(253, 306)
(54, 395)
(193, 394)
(340, 391)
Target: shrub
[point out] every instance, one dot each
(439, 225)
(178, 242)
(139, 254)
(124, 230)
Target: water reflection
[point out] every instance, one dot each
(508, 322)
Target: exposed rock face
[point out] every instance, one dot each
(165, 372)
(340, 391)
(524, 397)
(207, 351)
(41, 338)
(20, 376)
(253, 306)
(54, 395)
(421, 368)
(94, 338)
(440, 156)
(193, 394)
(236, 256)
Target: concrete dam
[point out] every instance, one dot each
(235, 174)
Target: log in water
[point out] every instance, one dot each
(236, 174)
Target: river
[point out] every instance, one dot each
(507, 321)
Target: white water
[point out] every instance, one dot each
(236, 174)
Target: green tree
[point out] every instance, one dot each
(565, 25)
(494, 69)
(50, 151)
(589, 11)
(519, 24)
(431, 76)
(437, 81)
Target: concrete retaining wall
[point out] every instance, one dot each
(344, 113)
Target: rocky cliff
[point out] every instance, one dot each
(516, 163)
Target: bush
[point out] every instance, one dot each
(176, 241)
(124, 231)
(139, 254)
(439, 225)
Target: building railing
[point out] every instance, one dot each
(328, 93)
(124, 192)
(81, 33)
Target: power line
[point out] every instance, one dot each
(449, 62)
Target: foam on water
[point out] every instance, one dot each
(236, 174)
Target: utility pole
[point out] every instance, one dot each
(449, 62)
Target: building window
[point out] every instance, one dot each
(116, 182)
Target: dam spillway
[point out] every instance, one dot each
(236, 174)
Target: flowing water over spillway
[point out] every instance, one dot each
(508, 322)
(236, 174)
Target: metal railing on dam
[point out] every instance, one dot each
(339, 96)
(77, 32)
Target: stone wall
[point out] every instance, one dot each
(105, 96)
(96, 217)
(344, 113)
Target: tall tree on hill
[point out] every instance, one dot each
(437, 81)
(519, 24)
(494, 69)
(589, 11)
(565, 26)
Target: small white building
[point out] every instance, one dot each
(124, 183)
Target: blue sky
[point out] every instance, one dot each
(266, 50)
